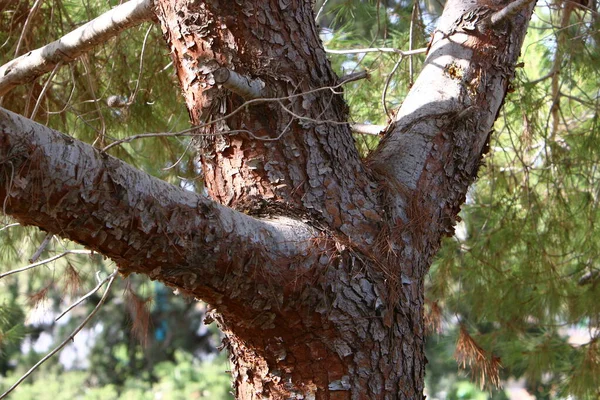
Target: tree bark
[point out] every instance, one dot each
(320, 291)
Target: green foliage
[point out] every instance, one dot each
(361, 25)
(181, 379)
(12, 332)
(516, 273)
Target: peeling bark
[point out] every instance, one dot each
(324, 299)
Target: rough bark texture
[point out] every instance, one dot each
(324, 299)
(313, 165)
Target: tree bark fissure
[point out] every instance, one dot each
(325, 298)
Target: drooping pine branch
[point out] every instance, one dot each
(35, 63)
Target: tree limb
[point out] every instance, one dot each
(439, 136)
(144, 224)
(30, 66)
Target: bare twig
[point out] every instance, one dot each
(387, 84)
(88, 77)
(543, 78)
(43, 92)
(379, 50)
(30, 16)
(37, 62)
(321, 10)
(368, 129)
(88, 294)
(46, 261)
(413, 17)
(188, 132)
(111, 279)
(313, 120)
(44, 244)
(9, 226)
(67, 103)
(355, 76)
(137, 83)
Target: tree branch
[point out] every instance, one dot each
(403, 53)
(30, 66)
(439, 135)
(509, 11)
(242, 85)
(368, 129)
(144, 224)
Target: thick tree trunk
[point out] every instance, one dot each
(320, 294)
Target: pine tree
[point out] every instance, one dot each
(316, 268)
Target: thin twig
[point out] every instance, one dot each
(187, 147)
(88, 294)
(88, 73)
(111, 278)
(316, 121)
(9, 226)
(387, 84)
(543, 78)
(34, 10)
(46, 261)
(186, 132)
(321, 10)
(379, 50)
(44, 89)
(410, 42)
(137, 83)
(38, 252)
(70, 94)
(355, 76)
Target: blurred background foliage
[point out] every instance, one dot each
(519, 281)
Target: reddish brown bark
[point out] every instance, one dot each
(313, 166)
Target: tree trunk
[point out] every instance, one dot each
(319, 290)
